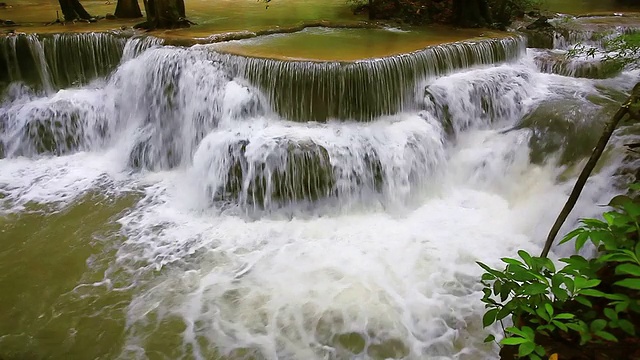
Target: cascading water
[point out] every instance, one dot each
(257, 233)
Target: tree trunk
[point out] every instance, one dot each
(164, 14)
(471, 13)
(73, 10)
(128, 9)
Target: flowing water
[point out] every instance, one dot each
(178, 202)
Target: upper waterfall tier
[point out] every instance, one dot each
(296, 90)
(362, 90)
(57, 61)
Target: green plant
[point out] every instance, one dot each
(587, 301)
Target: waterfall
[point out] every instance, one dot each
(283, 209)
(169, 101)
(51, 62)
(363, 90)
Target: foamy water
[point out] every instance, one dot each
(385, 259)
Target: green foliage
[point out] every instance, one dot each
(545, 301)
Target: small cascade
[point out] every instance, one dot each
(363, 90)
(50, 62)
(272, 165)
(481, 98)
(139, 44)
(557, 62)
(589, 32)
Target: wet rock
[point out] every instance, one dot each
(541, 23)
(564, 130)
(292, 172)
(540, 33)
(53, 136)
(147, 155)
(9, 23)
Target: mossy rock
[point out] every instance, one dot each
(292, 172)
(539, 38)
(54, 136)
(146, 155)
(565, 127)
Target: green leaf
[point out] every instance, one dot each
(632, 209)
(526, 349)
(620, 200)
(581, 240)
(622, 306)
(611, 314)
(503, 313)
(598, 325)
(608, 217)
(505, 290)
(627, 327)
(606, 335)
(549, 309)
(521, 274)
(543, 314)
(546, 262)
(584, 301)
(535, 289)
(592, 293)
(560, 293)
(488, 277)
(489, 317)
(615, 257)
(560, 325)
(564, 316)
(571, 235)
(514, 330)
(497, 285)
(491, 271)
(629, 269)
(629, 283)
(514, 341)
(489, 338)
(526, 257)
(511, 261)
(583, 283)
(574, 327)
(570, 284)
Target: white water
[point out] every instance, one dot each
(281, 280)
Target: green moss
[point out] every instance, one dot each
(302, 172)
(353, 342)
